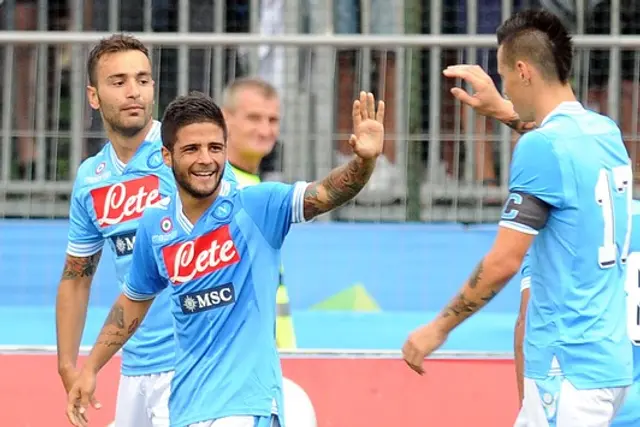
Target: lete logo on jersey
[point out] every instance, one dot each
(125, 201)
(190, 260)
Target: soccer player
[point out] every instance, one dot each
(110, 193)
(568, 186)
(251, 108)
(487, 101)
(217, 249)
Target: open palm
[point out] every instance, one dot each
(367, 140)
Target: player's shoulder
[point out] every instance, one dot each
(535, 144)
(260, 190)
(149, 158)
(577, 122)
(94, 169)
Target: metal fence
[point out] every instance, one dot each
(442, 162)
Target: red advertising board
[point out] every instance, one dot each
(345, 392)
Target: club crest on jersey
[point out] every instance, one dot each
(123, 243)
(100, 168)
(190, 260)
(125, 201)
(208, 299)
(166, 225)
(155, 160)
(223, 210)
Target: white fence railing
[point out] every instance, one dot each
(439, 150)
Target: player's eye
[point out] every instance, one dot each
(118, 83)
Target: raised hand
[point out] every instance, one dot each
(367, 140)
(485, 100)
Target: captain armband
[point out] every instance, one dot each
(525, 212)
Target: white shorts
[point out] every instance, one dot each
(244, 421)
(143, 401)
(555, 402)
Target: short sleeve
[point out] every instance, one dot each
(273, 207)
(525, 273)
(536, 171)
(143, 280)
(84, 239)
(535, 184)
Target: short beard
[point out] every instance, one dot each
(183, 183)
(127, 132)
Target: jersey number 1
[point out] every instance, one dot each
(618, 180)
(632, 286)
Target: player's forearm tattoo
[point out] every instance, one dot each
(341, 185)
(475, 276)
(115, 317)
(462, 305)
(519, 126)
(115, 332)
(76, 267)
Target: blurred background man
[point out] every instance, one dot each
(251, 108)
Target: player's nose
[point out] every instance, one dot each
(205, 157)
(133, 90)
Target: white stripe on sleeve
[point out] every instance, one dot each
(83, 250)
(297, 204)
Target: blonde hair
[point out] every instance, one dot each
(230, 93)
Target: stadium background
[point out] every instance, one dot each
(359, 279)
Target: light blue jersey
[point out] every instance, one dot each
(107, 203)
(629, 415)
(577, 166)
(220, 274)
(633, 292)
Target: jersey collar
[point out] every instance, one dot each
(181, 218)
(153, 135)
(567, 107)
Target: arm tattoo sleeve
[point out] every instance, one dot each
(519, 126)
(75, 267)
(341, 185)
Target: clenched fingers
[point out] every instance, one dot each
(413, 357)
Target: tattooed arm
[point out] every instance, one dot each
(510, 118)
(341, 185)
(122, 321)
(518, 125)
(71, 308)
(488, 278)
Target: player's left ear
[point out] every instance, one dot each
(166, 156)
(524, 72)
